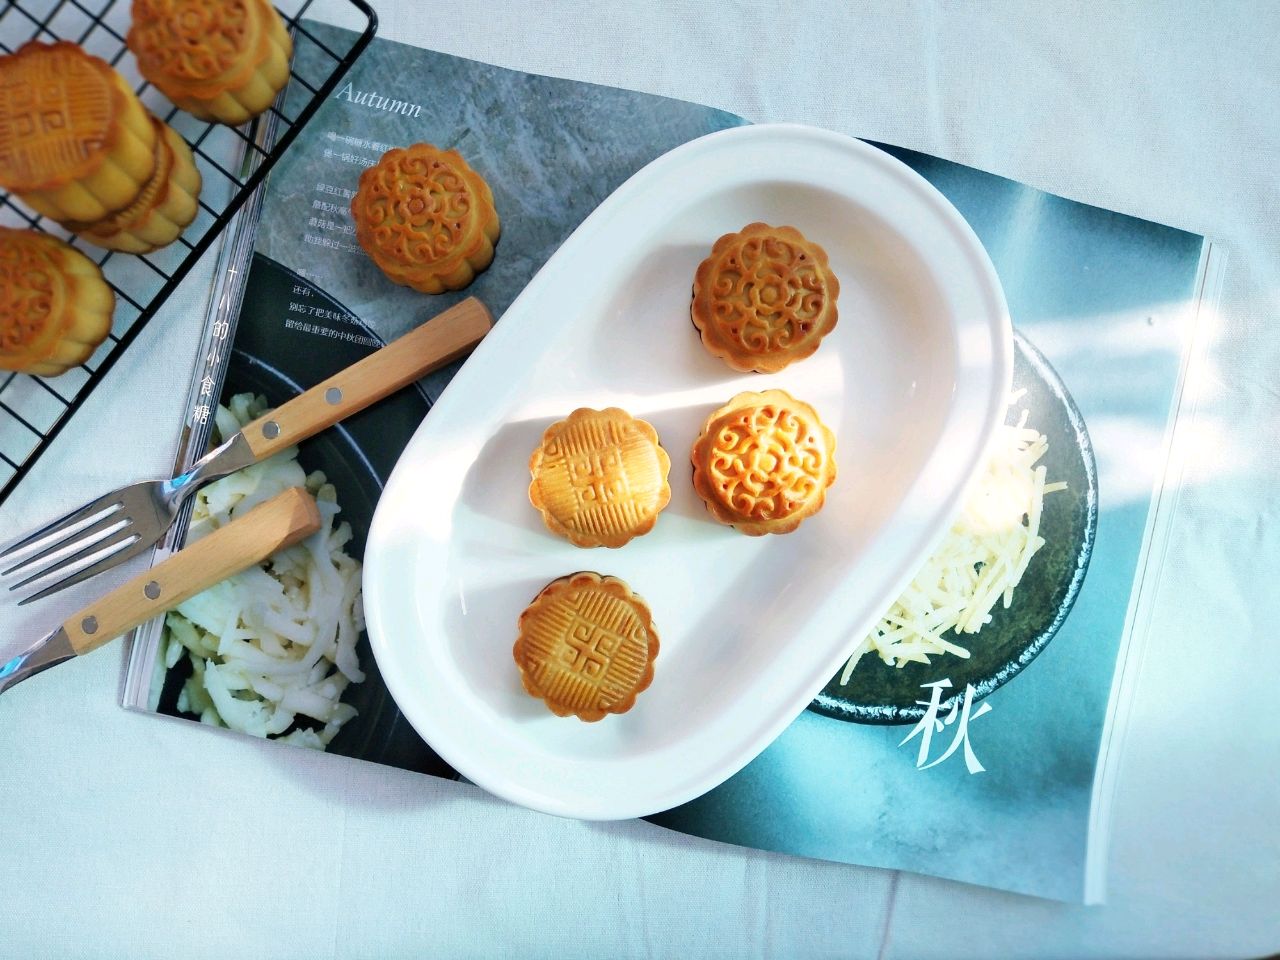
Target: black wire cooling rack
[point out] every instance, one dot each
(232, 162)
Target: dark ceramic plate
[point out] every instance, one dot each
(356, 456)
(877, 693)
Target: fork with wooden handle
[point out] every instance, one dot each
(270, 526)
(111, 529)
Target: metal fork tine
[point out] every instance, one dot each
(80, 514)
(110, 560)
(122, 538)
(85, 535)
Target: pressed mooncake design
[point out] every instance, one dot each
(75, 141)
(55, 308)
(586, 646)
(763, 462)
(222, 60)
(599, 477)
(426, 218)
(764, 298)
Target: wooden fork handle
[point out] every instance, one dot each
(443, 338)
(270, 526)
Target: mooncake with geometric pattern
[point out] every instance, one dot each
(168, 202)
(599, 477)
(221, 60)
(75, 141)
(763, 462)
(55, 308)
(426, 218)
(586, 646)
(764, 298)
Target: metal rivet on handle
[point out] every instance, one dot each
(89, 624)
(152, 590)
(333, 396)
(271, 429)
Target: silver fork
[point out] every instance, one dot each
(122, 524)
(119, 525)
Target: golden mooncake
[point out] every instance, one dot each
(764, 298)
(763, 462)
(586, 646)
(168, 202)
(426, 218)
(55, 308)
(599, 477)
(75, 141)
(222, 60)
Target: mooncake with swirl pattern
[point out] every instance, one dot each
(764, 298)
(426, 218)
(75, 141)
(586, 646)
(599, 477)
(763, 462)
(55, 307)
(222, 60)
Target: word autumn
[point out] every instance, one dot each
(370, 98)
(930, 723)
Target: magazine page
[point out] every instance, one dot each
(999, 791)
(313, 303)
(968, 752)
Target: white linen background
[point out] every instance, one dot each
(128, 835)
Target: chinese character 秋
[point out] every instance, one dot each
(929, 724)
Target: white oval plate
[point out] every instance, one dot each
(913, 380)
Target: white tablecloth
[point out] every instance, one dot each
(128, 835)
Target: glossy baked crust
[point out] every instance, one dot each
(75, 141)
(764, 298)
(222, 60)
(168, 202)
(599, 477)
(763, 462)
(426, 218)
(55, 308)
(586, 646)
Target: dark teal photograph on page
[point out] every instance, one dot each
(894, 765)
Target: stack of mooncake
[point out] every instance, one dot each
(77, 145)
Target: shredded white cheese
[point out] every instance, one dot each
(276, 642)
(979, 563)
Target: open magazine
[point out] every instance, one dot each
(989, 762)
